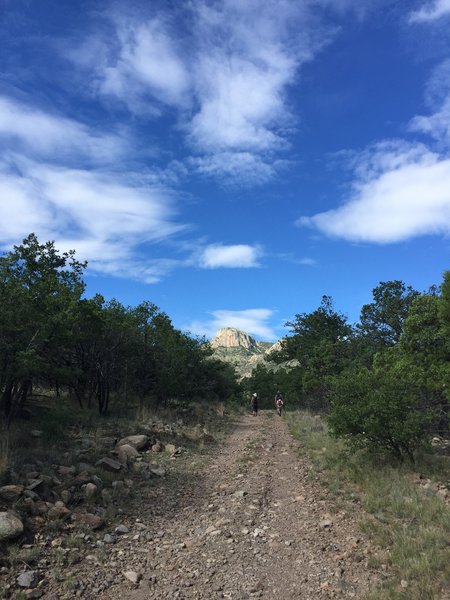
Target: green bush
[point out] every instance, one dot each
(380, 410)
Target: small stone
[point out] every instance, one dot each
(157, 447)
(28, 579)
(158, 471)
(122, 529)
(404, 584)
(240, 494)
(109, 539)
(132, 576)
(325, 524)
(93, 559)
(36, 593)
(170, 448)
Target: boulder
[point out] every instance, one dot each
(139, 442)
(59, 511)
(84, 477)
(34, 483)
(11, 493)
(10, 526)
(65, 471)
(40, 507)
(127, 454)
(92, 521)
(90, 490)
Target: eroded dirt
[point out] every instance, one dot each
(254, 524)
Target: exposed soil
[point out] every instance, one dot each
(255, 523)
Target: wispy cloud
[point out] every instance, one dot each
(234, 256)
(399, 193)
(253, 321)
(96, 213)
(227, 76)
(431, 11)
(147, 67)
(437, 124)
(238, 167)
(31, 129)
(400, 189)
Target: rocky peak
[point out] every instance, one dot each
(228, 337)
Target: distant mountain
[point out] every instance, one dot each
(241, 349)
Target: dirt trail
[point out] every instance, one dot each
(254, 525)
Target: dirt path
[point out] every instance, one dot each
(253, 525)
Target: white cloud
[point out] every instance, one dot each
(253, 321)
(98, 214)
(397, 196)
(437, 124)
(238, 256)
(249, 53)
(431, 11)
(46, 135)
(148, 63)
(227, 76)
(242, 103)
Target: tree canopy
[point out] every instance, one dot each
(53, 337)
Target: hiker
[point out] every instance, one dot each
(279, 402)
(254, 403)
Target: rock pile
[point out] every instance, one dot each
(75, 498)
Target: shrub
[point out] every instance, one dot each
(379, 410)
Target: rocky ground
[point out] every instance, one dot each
(252, 521)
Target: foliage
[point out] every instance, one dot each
(97, 350)
(382, 320)
(320, 345)
(380, 410)
(39, 294)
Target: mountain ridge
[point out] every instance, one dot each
(240, 349)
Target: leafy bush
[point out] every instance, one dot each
(379, 410)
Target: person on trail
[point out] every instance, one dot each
(279, 402)
(254, 403)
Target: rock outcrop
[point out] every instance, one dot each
(245, 353)
(228, 337)
(240, 349)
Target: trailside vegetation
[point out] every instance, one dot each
(383, 383)
(53, 338)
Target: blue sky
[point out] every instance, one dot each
(230, 161)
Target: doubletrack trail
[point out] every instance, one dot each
(256, 523)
